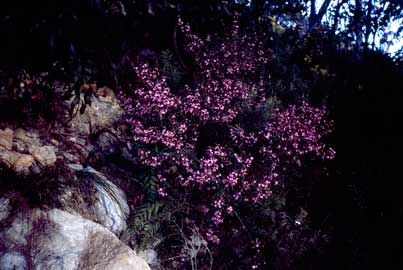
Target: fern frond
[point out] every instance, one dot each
(149, 186)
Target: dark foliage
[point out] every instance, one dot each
(354, 206)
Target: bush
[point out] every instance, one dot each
(222, 145)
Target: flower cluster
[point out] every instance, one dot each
(297, 131)
(226, 69)
(244, 165)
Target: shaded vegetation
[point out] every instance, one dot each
(349, 209)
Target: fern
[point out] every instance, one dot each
(146, 213)
(149, 186)
(147, 222)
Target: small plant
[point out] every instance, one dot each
(195, 246)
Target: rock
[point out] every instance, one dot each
(107, 143)
(17, 161)
(71, 201)
(75, 167)
(124, 261)
(28, 141)
(59, 240)
(106, 93)
(68, 142)
(45, 155)
(13, 261)
(4, 208)
(55, 142)
(6, 138)
(18, 231)
(24, 140)
(68, 157)
(149, 255)
(23, 162)
(76, 149)
(107, 205)
(111, 206)
(77, 237)
(102, 113)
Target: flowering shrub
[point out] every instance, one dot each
(247, 159)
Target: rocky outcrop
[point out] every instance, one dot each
(103, 112)
(109, 205)
(56, 240)
(25, 140)
(13, 261)
(34, 150)
(92, 211)
(4, 208)
(44, 155)
(6, 138)
(24, 152)
(21, 163)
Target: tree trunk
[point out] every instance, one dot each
(368, 23)
(318, 17)
(312, 14)
(358, 19)
(336, 19)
